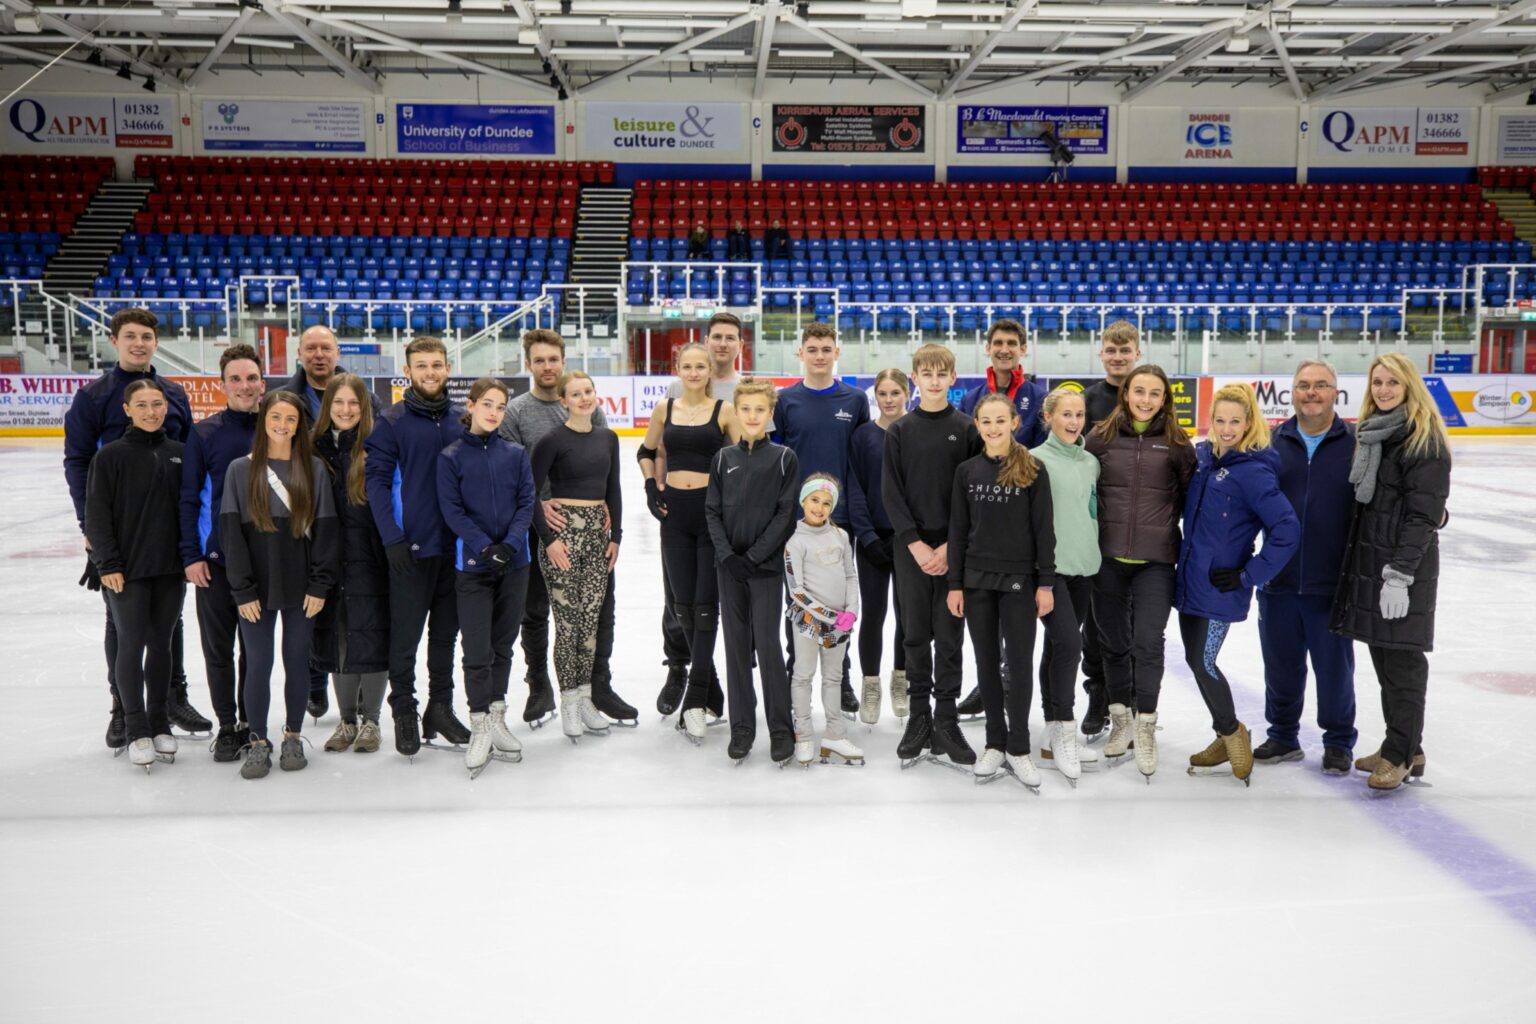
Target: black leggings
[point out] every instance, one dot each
(109, 642)
(145, 616)
(1063, 646)
(490, 611)
(257, 639)
(1202, 643)
(1007, 617)
(1131, 602)
(688, 558)
(875, 595)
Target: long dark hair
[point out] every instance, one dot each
(1107, 430)
(357, 491)
(1019, 466)
(477, 391)
(301, 478)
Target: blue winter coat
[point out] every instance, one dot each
(485, 490)
(96, 418)
(1324, 499)
(401, 474)
(1027, 402)
(213, 444)
(1230, 500)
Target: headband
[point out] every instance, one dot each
(810, 487)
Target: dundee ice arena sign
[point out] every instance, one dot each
(1358, 134)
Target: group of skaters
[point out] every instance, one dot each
(790, 520)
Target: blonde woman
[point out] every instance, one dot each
(1386, 595)
(1234, 494)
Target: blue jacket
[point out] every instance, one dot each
(213, 444)
(866, 505)
(299, 385)
(1028, 398)
(818, 427)
(96, 418)
(1324, 499)
(401, 474)
(1230, 500)
(485, 491)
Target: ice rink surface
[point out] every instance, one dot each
(635, 877)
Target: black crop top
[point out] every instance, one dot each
(583, 466)
(692, 449)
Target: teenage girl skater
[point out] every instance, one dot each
(874, 552)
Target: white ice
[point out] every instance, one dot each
(636, 877)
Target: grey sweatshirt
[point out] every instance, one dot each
(822, 579)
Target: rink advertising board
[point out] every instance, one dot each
(471, 129)
(34, 405)
(47, 122)
(313, 126)
(649, 131)
(1517, 139)
(831, 128)
(984, 129)
(1366, 134)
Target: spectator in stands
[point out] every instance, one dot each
(738, 243)
(1119, 352)
(698, 242)
(776, 241)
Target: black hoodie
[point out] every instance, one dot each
(132, 494)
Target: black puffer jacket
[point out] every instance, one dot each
(361, 601)
(1398, 528)
(1142, 483)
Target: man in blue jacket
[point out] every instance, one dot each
(211, 446)
(1315, 448)
(1006, 348)
(401, 476)
(95, 418)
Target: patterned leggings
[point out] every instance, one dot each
(576, 595)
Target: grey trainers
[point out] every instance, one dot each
(258, 759)
(342, 738)
(292, 757)
(367, 738)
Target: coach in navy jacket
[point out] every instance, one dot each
(1006, 348)
(1315, 448)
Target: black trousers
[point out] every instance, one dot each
(1131, 605)
(1093, 655)
(1003, 617)
(1202, 644)
(750, 611)
(421, 598)
(933, 639)
(674, 644)
(875, 596)
(145, 614)
(490, 611)
(1063, 646)
(688, 570)
(259, 639)
(1404, 679)
(178, 662)
(218, 626)
(535, 628)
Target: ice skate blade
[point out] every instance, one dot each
(837, 760)
(539, 723)
(928, 757)
(624, 723)
(1406, 784)
(852, 716)
(205, 735)
(1048, 761)
(593, 732)
(119, 751)
(457, 748)
(164, 758)
(737, 762)
(1033, 787)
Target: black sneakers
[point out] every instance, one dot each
(1336, 761)
(1272, 752)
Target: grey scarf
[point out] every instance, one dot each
(1370, 435)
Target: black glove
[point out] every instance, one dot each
(91, 578)
(737, 566)
(880, 554)
(498, 556)
(400, 559)
(1227, 580)
(654, 501)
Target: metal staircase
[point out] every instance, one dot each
(601, 245)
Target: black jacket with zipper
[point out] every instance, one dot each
(360, 603)
(751, 505)
(132, 497)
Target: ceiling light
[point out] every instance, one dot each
(122, 72)
(94, 58)
(28, 23)
(149, 84)
(1238, 43)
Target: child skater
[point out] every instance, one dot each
(1002, 566)
(485, 490)
(131, 529)
(1234, 494)
(1145, 462)
(750, 509)
(278, 528)
(876, 554)
(823, 606)
(1074, 477)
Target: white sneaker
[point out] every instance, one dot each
(478, 753)
(141, 752)
(570, 714)
(1023, 768)
(803, 751)
(501, 736)
(1120, 731)
(1146, 742)
(988, 764)
(843, 748)
(165, 747)
(591, 719)
(1061, 750)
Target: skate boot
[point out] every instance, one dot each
(803, 751)
(1270, 752)
(741, 744)
(407, 733)
(1022, 767)
(695, 724)
(781, 747)
(440, 719)
(165, 745)
(504, 745)
(368, 738)
(319, 704)
(916, 738)
(258, 759)
(1062, 752)
(714, 701)
(226, 745)
(843, 750)
(1387, 776)
(671, 694)
(291, 758)
(591, 719)
(869, 707)
(1120, 731)
(1335, 761)
(1369, 762)
(612, 705)
(540, 709)
(850, 702)
(1095, 719)
(949, 741)
(1240, 752)
(478, 754)
(570, 714)
(1146, 743)
(989, 765)
(182, 714)
(117, 728)
(970, 708)
(1213, 756)
(901, 704)
(343, 738)
(141, 752)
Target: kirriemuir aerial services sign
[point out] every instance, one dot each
(659, 132)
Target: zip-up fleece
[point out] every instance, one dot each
(988, 535)
(130, 505)
(1074, 476)
(96, 418)
(1324, 499)
(485, 491)
(751, 504)
(1142, 483)
(401, 474)
(211, 446)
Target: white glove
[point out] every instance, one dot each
(1394, 594)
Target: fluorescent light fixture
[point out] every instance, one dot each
(271, 44)
(1239, 43)
(685, 25)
